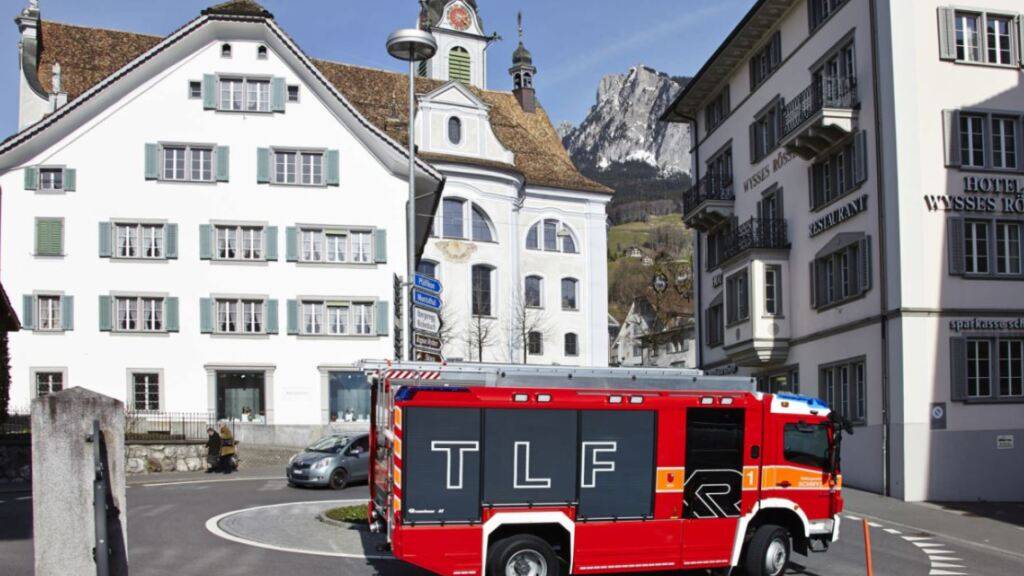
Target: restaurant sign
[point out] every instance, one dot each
(839, 215)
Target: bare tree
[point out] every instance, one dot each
(526, 320)
(448, 333)
(481, 333)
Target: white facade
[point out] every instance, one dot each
(861, 290)
(314, 197)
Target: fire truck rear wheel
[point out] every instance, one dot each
(768, 551)
(522, 555)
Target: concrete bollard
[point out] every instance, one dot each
(63, 482)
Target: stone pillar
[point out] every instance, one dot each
(63, 474)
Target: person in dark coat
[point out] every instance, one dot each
(213, 445)
(227, 449)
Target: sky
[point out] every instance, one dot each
(574, 42)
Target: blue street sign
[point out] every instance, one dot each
(426, 299)
(426, 283)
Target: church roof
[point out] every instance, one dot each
(433, 12)
(89, 55)
(239, 8)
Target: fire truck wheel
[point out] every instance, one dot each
(339, 479)
(768, 551)
(522, 555)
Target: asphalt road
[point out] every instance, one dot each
(167, 536)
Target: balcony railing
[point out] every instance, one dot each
(710, 187)
(829, 93)
(756, 233)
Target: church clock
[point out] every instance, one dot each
(459, 17)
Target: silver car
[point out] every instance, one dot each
(335, 461)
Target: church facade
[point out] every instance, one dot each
(214, 220)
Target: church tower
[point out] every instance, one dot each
(461, 43)
(522, 72)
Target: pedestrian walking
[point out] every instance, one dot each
(227, 449)
(213, 446)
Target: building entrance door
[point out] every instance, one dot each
(241, 396)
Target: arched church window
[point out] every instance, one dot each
(455, 130)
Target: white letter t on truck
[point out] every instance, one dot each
(454, 477)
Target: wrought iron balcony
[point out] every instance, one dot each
(709, 202)
(754, 234)
(820, 116)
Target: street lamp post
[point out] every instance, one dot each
(411, 45)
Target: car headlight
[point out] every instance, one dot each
(292, 459)
(321, 464)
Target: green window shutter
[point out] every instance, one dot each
(70, 179)
(271, 320)
(380, 246)
(951, 131)
(222, 156)
(152, 164)
(333, 168)
(106, 240)
(28, 312)
(380, 315)
(1020, 40)
(291, 244)
(860, 157)
(106, 315)
(171, 315)
(205, 242)
(206, 316)
(67, 312)
(278, 94)
(262, 165)
(270, 243)
(293, 316)
(957, 369)
(209, 92)
(955, 228)
(171, 241)
(49, 237)
(947, 34)
(459, 65)
(31, 178)
(864, 266)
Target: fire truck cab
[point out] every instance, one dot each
(545, 471)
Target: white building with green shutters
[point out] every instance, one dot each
(215, 221)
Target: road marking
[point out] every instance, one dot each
(213, 525)
(22, 499)
(874, 524)
(928, 544)
(893, 531)
(217, 481)
(948, 537)
(916, 538)
(854, 518)
(946, 573)
(944, 565)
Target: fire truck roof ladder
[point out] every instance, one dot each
(525, 376)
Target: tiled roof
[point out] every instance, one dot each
(240, 7)
(88, 55)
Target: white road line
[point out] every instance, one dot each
(213, 526)
(928, 544)
(956, 539)
(874, 524)
(893, 531)
(917, 538)
(944, 565)
(946, 573)
(23, 498)
(854, 518)
(217, 481)
(930, 551)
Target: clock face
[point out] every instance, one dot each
(459, 17)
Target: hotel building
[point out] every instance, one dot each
(859, 212)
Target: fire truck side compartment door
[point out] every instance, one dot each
(526, 459)
(441, 464)
(616, 464)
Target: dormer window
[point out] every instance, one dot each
(455, 130)
(225, 50)
(261, 52)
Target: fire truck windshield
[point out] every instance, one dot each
(807, 444)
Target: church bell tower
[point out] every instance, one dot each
(461, 42)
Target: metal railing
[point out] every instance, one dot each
(753, 234)
(828, 93)
(148, 425)
(710, 187)
(16, 424)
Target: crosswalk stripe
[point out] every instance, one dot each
(927, 544)
(892, 531)
(930, 551)
(945, 573)
(916, 538)
(854, 518)
(874, 525)
(944, 565)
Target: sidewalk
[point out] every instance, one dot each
(1004, 535)
(253, 473)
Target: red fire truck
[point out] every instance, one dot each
(504, 470)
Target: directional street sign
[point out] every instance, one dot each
(426, 343)
(426, 283)
(424, 320)
(425, 299)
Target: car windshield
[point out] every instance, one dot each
(327, 444)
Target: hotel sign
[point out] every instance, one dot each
(992, 194)
(839, 215)
(766, 171)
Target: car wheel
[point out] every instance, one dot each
(339, 479)
(523, 555)
(768, 551)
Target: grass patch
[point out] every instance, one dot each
(351, 514)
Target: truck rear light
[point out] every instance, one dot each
(520, 397)
(615, 399)
(726, 401)
(636, 399)
(543, 397)
(707, 400)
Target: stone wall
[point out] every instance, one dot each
(15, 459)
(296, 436)
(177, 457)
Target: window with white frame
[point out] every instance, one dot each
(1004, 142)
(139, 314)
(983, 139)
(570, 294)
(968, 37)
(244, 95)
(49, 382)
(987, 368)
(972, 140)
(146, 391)
(551, 235)
(48, 313)
(187, 163)
(772, 290)
(239, 242)
(240, 316)
(572, 344)
(844, 388)
(841, 271)
(532, 292)
(737, 288)
(979, 368)
(1008, 254)
(976, 247)
(51, 179)
(337, 318)
(535, 343)
(361, 242)
(986, 247)
(336, 246)
(295, 167)
(136, 240)
(977, 37)
(312, 245)
(1011, 367)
